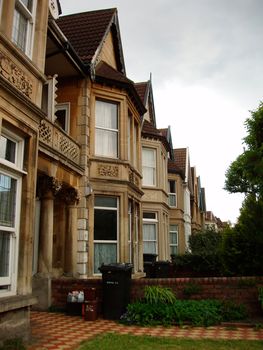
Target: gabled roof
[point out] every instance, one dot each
(174, 169)
(104, 73)
(145, 92)
(87, 31)
(148, 130)
(180, 159)
(166, 132)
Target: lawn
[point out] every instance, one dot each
(129, 342)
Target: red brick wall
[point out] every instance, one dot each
(239, 289)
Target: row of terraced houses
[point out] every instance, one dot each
(86, 177)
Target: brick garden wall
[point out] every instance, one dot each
(239, 289)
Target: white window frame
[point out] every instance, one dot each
(130, 230)
(129, 128)
(111, 130)
(64, 107)
(151, 221)
(30, 18)
(146, 166)
(172, 196)
(13, 170)
(1, 4)
(135, 145)
(108, 241)
(177, 236)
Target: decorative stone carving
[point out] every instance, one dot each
(108, 170)
(53, 137)
(69, 194)
(133, 178)
(48, 184)
(15, 75)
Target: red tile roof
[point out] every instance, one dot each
(86, 30)
(106, 73)
(180, 158)
(141, 89)
(174, 169)
(148, 130)
(164, 132)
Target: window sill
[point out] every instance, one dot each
(16, 302)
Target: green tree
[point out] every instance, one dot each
(243, 244)
(245, 174)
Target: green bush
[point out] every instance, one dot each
(195, 312)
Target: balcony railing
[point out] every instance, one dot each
(52, 136)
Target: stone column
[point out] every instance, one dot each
(41, 283)
(70, 196)
(46, 234)
(71, 242)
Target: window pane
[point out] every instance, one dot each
(173, 250)
(172, 186)
(173, 238)
(105, 225)
(7, 149)
(28, 4)
(4, 253)
(106, 115)
(148, 157)
(61, 116)
(149, 232)
(148, 167)
(7, 200)
(104, 253)
(19, 30)
(101, 201)
(147, 215)
(172, 200)
(174, 228)
(149, 247)
(106, 143)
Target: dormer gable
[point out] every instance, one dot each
(95, 36)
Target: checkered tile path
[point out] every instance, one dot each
(56, 331)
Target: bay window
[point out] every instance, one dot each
(11, 156)
(23, 21)
(149, 166)
(106, 129)
(106, 217)
(150, 233)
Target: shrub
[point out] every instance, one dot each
(196, 312)
(156, 295)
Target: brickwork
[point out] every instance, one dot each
(243, 290)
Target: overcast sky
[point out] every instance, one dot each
(206, 61)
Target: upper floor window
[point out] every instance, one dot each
(22, 33)
(106, 129)
(62, 116)
(149, 166)
(11, 150)
(172, 193)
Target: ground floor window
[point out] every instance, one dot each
(9, 224)
(106, 218)
(150, 222)
(173, 233)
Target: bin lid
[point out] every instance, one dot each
(115, 267)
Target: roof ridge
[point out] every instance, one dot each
(92, 11)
